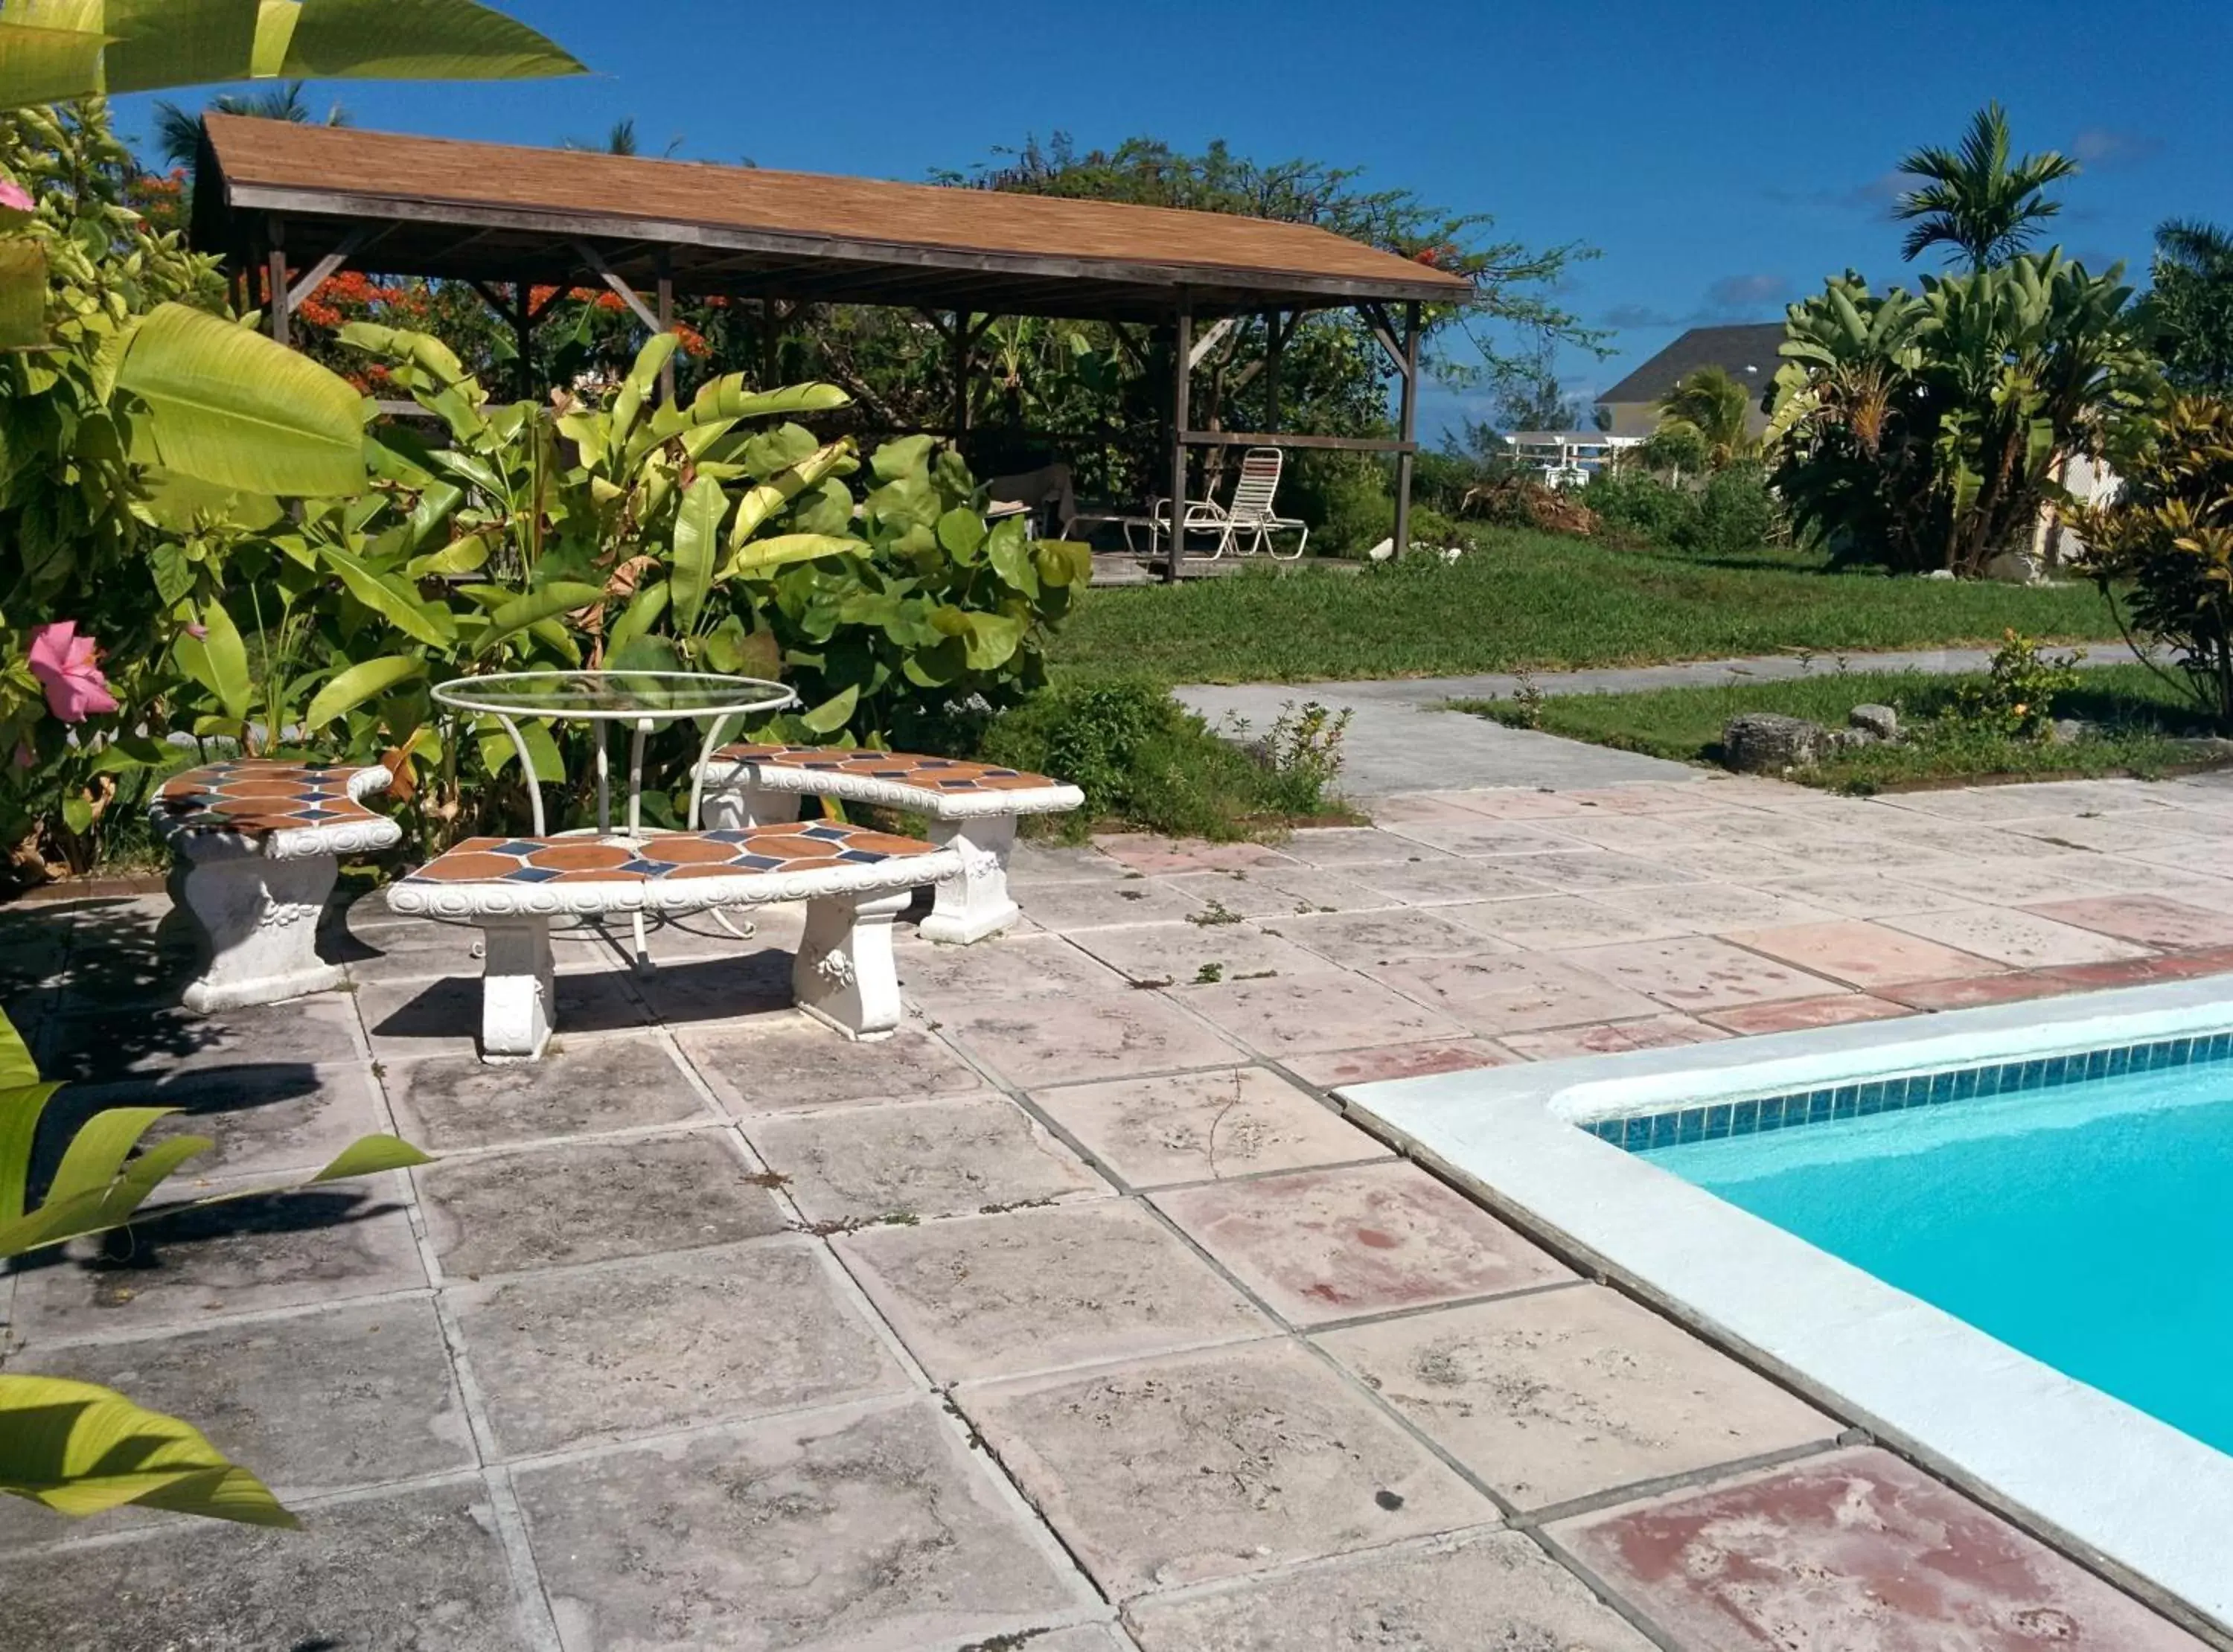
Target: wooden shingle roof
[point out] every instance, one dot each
(436, 206)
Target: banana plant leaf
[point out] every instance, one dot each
(227, 405)
(51, 50)
(79, 1449)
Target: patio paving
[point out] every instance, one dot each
(1074, 1318)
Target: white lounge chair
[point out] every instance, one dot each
(1249, 517)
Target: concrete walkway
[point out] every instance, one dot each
(1402, 740)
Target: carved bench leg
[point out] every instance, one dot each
(733, 808)
(973, 903)
(517, 989)
(255, 922)
(843, 973)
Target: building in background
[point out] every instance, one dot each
(1747, 353)
(1565, 458)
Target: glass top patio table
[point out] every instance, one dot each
(614, 696)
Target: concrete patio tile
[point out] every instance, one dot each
(665, 1342)
(2003, 880)
(1163, 954)
(2147, 919)
(2101, 835)
(249, 1255)
(1645, 834)
(1696, 972)
(1407, 808)
(1791, 1014)
(1735, 861)
(447, 1103)
(443, 1016)
(1357, 846)
(931, 1158)
(1853, 1552)
(1325, 1245)
(1305, 1014)
(1067, 907)
(1546, 923)
(1039, 1289)
(1146, 852)
(1254, 896)
(591, 1201)
(314, 1402)
(263, 1121)
(2138, 971)
(1865, 894)
(1518, 993)
(1584, 871)
(1077, 1040)
(1715, 908)
(1085, 1637)
(1457, 1594)
(1652, 1032)
(793, 1062)
(218, 1051)
(864, 1530)
(1040, 863)
(1514, 802)
(1452, 880)
(1203, 1126)
(1651, 797)
(1866, 955)
(1476, 835)
(1982, 803)
(1316, 891)
(1969, 991)
(420, 1569)
(1396, 1061)
(1567, 1394)
(940, 978)
(1353, 939)
(1212, 1465)
(749, 979)
(2021, 940)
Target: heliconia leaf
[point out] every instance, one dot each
(763, 500)
(80, 1449)
(833, 713)
(227, 655)
(98, 1150)
(697, 539)
(228, 406)
(17, 1069)
(369, 1155)
(637, 618)
(393, 600)
(23, 292)
(727, 398)
(759, 555)
(560, 596)
(47, 65)
(21, 1108)
(418, 39)
(367, 679)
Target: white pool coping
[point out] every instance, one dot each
(2147, 1503)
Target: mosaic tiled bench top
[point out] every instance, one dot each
(1678, 1127)
(943, 788)
(286, 809)
(666, 871)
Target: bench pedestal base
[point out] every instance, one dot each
(843, 974)
(518, 990)
(975, 902)
(255, 923)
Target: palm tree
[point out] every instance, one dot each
(181, 133)
(2187, 317)
(1973, 201)
(1710, 401)
(2200, 248)
(621, 140)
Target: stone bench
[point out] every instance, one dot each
(854, 881)
(972, 808)
(255, 847)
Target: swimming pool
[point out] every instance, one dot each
(2088, 1224)
(1995, 1238)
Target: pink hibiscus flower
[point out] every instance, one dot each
(64, 663)
(17, 196)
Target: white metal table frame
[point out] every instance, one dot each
(746, 697)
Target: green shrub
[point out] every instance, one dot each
(1735, 512)
(1345, 497)
(2016, 698)
(1639, 502)
(1431, 528)
(1142, 759)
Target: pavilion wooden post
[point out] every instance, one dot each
(666, 325)
(1408, 427)
(275, 234)
(1182, 372)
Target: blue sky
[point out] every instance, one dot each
(1723, 158)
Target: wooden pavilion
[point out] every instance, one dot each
(306, 202)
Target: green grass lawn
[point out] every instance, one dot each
(2146, 725)
(1542, 602)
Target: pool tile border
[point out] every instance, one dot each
(1714, 1121)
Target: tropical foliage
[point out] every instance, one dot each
(1926, 430)
(2164, 546)
(1974, 200)
(1708, 413)
(76, 1448)
(2187, 315)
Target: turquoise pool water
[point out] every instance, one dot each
(2090, 1225)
